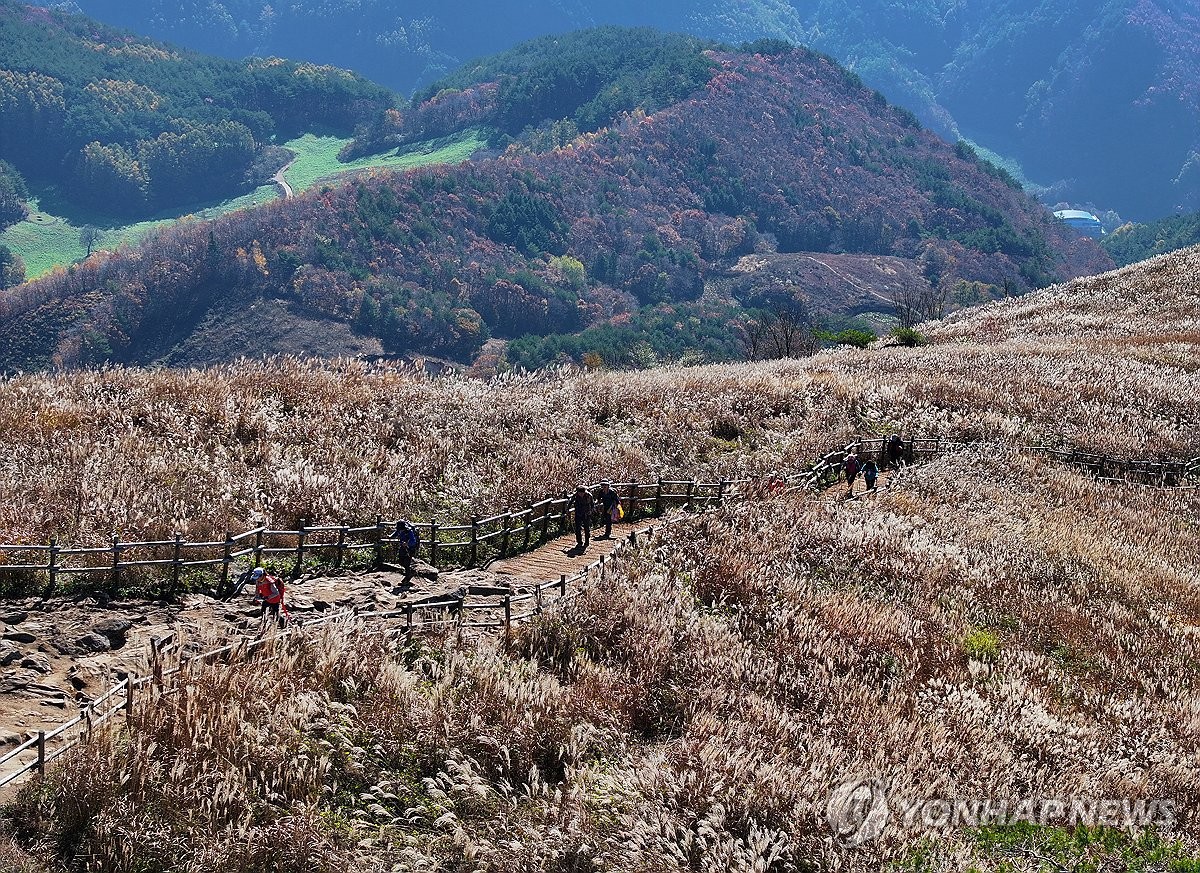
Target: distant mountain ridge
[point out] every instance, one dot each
(1098, 96)
(622, 230)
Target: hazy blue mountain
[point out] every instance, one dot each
(1096, 98)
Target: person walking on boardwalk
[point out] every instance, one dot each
(408, 543)
(610, 505)
(870, 471)
(852, 466)
(582, 503)
(895, 450)
(269, 591)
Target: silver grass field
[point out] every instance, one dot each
(996, 625)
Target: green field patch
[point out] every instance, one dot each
(49, 238)
(46, 240)
(316, 157)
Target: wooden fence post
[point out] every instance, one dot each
(721, 493)
(41, 750)
(504, 538)
(378, 541)
(408, 618)
(528, 528)
(474, 540)
(433, 543)
(258, 546)
(300, 536)
(507, 611)
(341, 547)
(129, 697)
(116, 562)
(175, 556)
(545, 523)
(562, 585)
(52, 567)
(658, 497)
(691, 491)
(225, 562)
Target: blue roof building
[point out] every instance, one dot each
(1084, 222)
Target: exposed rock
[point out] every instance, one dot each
(37, 662)
(10, 738)
(20, 637)
(9, 654)
(113, 630)
(421, 570)
(13, 616)
(92, 642)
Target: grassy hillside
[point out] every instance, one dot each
(627, 226)
(46, 241)
(289, 440)
(317, 157)
(995, 628)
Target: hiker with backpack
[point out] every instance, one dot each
(852, 466)
(870, 471)
(582, 503)
(269, 591)
(895, 451)
(610, 505)
(408, 542)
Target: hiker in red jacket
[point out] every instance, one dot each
(853, 465)
(269, 591)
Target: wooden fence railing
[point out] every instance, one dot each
(479, 607)
(473, 543)
(469, 544)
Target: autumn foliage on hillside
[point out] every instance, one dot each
(785, 150)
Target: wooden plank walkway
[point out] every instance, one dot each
(559, 557)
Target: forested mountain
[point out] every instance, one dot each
(619, 235)
(1131, 243)
(131, 126)
(550, 89)
(1097, 98)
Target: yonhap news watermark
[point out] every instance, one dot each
(860, 810)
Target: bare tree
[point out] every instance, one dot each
(89, 235)
(916, 302)
(786, 332)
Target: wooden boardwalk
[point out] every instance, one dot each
(559, 557)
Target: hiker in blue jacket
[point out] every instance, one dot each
(408, 542)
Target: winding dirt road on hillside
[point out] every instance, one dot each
(285, 187)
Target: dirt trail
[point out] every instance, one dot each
(285, 187)
(60, 654)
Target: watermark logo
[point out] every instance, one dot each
(858, 811)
